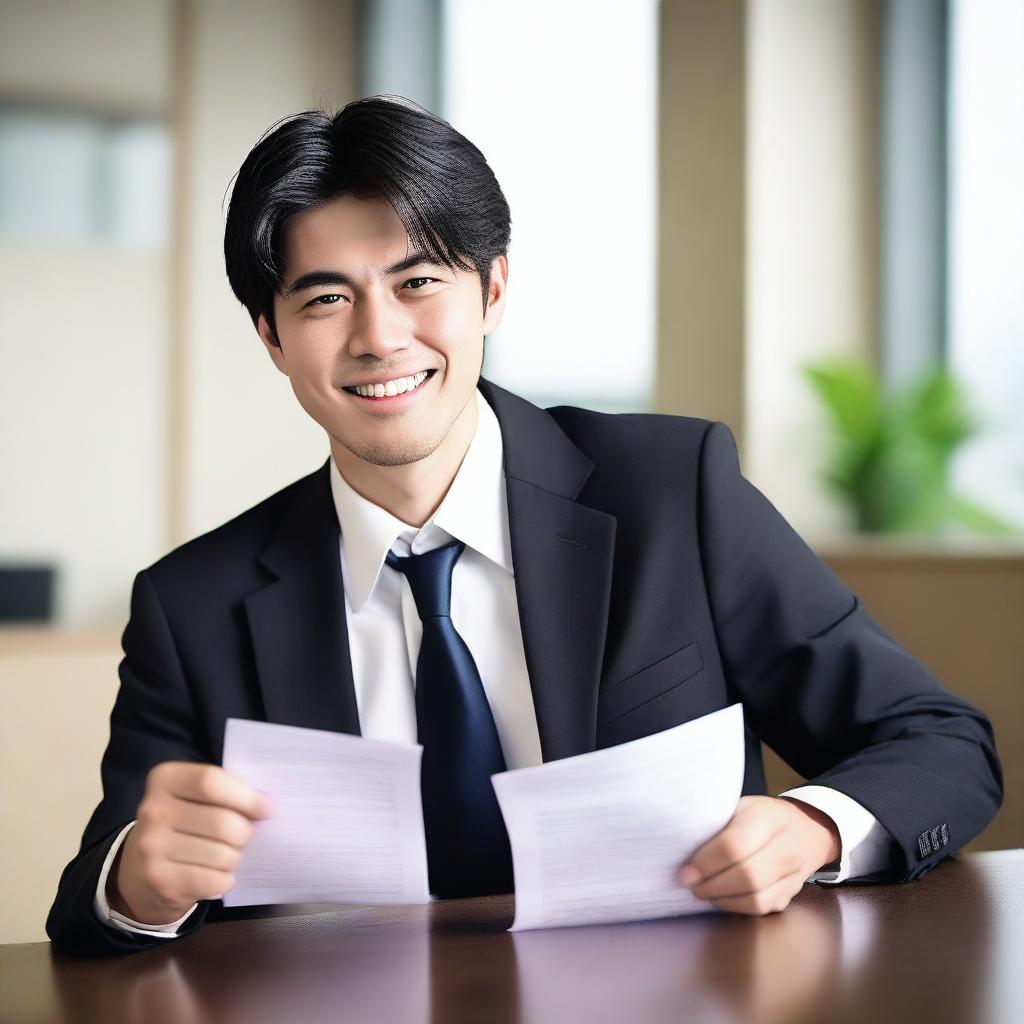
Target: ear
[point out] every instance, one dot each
(496, 293)
(270, 343)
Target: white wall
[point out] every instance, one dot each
(811, 211)
(82, 414)
(90, 332)
(83, 327)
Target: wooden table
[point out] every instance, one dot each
(947, 948)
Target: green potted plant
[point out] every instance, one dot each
(891, 453)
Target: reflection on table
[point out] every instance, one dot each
(946, 948)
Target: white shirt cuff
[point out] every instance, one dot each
(120, 921)
(865, 844)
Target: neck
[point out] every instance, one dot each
(414, 491)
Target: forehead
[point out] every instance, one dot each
(345, 231)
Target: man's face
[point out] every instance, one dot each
(344, 320)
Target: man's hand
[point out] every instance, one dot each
(762, 858)
(191, 827)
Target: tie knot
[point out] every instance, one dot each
(430, 577)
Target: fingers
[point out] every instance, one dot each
(204, 853)
(161, 872)
(157, 820)
(215, 823)
(750, 875)
(210, 784)
(190, 829)
(180, 885)
(770, 900)
(747, 833)
(756, 864)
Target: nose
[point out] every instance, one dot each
(378, 326)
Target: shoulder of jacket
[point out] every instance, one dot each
(603, 434)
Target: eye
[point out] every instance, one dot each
(413, 279)
(323, 300)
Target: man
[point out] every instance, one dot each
(503, 583)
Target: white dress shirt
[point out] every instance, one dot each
(384, 632)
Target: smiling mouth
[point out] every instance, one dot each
(380, 398)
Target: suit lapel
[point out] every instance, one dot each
(297, 622)
(562, 555)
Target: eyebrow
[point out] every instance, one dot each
(316, 278)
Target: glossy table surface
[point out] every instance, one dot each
(946, 948)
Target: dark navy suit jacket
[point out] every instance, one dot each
(655, 584)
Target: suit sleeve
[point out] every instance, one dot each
(153, 720)
(827, 688)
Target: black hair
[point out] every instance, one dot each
(383, 146)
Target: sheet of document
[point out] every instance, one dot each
(600, 837)
(348, 818)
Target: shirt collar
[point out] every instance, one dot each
(474, 511)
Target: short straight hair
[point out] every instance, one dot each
(383, 146)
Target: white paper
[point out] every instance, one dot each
(601, 837)
(348, 819)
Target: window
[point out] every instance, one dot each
(82, 177)
(986, 245)
(574, 149)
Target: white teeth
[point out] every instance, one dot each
(390, 387)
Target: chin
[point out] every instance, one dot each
(400, 452)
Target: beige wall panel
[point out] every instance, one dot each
(56, 693)
(701, 217)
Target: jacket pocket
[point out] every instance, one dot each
(628, 694)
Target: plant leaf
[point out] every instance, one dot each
(936, 410)
(851, 395)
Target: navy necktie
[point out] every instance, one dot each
(467, 846)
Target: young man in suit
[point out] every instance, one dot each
(607, 577)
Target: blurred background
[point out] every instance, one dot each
(801, 217)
